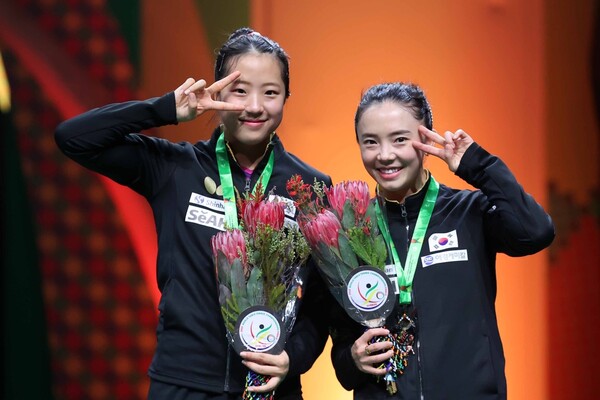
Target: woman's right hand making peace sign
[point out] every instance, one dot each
(193, 98)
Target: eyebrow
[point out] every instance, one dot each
(243, 82)
(399, 132)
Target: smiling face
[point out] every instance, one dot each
(260, 89)
(385, 133)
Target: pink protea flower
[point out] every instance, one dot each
(355, 191)
(336, 196)
(264, 213)
(323, 227)
(232, 244)
(358, 192)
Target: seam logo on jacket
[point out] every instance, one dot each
(206, 211)
(443, 241)
(210, 212)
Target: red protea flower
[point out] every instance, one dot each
(232, 244)
(323, 227)
(264, 213)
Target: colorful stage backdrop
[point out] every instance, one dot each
(78, 283)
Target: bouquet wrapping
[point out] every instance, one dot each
(340, 226)
(259, 277)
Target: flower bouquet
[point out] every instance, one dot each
(341, 228)
(259, 279)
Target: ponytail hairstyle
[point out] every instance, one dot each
(246, 40)
(407, 95)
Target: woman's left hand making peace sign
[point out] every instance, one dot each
(193, 98)
(453, 145)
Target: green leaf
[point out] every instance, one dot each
(346, 251)
(276, 298)
(254, 287)
(238, 285)
(223, 269)
(224, 294)
(372, 215)
(361, 245)
(230, 312)
(371, 249)
(328, 254)
(349, 218)
(380, 250)
(337, 267)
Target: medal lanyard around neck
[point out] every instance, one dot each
(231, 217)
(407, 274)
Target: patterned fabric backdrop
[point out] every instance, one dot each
(101, 319)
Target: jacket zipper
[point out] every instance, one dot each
(419, 369)
(421, 395)
(405, 217)
(226, 386)
(247, 187)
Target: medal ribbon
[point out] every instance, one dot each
(231, 217)
(407, 274)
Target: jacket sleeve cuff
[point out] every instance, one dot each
(165, 109)
(471, 163)
(348, 374)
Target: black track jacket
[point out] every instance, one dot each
(459, 354)
(192, 349)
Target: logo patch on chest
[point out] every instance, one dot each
(445, 257)
(202, 216)
(443, 241)
(208, 202)
(206, 211)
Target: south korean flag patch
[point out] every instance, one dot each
(443, 241)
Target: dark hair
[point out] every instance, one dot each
(245, 40)
(408, 95)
